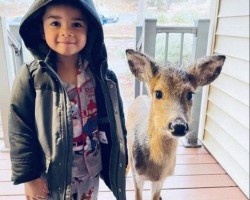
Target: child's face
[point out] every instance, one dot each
(65, 29)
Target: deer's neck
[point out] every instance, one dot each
(161, 146)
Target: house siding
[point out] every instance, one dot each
(226, 126)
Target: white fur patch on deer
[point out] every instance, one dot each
(155, 122)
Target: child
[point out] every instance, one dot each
(66, 122)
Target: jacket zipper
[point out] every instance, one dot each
(65, 131)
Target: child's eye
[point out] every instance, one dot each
(55, 24)
(77, 25)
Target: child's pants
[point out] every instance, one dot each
(85, 188)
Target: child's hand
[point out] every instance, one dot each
(36, 189)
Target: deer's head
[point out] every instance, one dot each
(172, 88)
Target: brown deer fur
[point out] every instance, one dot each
(155, 122)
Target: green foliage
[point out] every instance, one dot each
(165, 3)
(180, 17)
(185, 12)
(174, 47)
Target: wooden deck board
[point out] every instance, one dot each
(183, 150)
(5, 175)
(195, 159)
(197, 176)
(201, 169)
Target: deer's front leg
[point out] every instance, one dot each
(156, 190)
(139, 182)
(138, 190)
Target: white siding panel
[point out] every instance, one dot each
(237, 68)
(234, 7)
(233, 87)
(233, 26)
(239, 154)
(233, 46)
(234, 129)
(233, 107)
(240, 176)
(226, 122)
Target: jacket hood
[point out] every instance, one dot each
(31, 31)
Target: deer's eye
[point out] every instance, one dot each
(189, 96)
(158, 94)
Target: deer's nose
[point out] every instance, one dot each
(178, 127)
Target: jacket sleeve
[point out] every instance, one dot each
(24, 147)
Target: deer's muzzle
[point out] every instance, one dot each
(178, 127)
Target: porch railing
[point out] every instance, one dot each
(11, 59)
(146, 42)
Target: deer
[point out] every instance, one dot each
(156, 121)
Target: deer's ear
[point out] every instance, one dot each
(141, 65)
(205, 70)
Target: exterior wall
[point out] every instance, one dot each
(225, 126)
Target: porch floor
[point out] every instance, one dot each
(197, 176)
